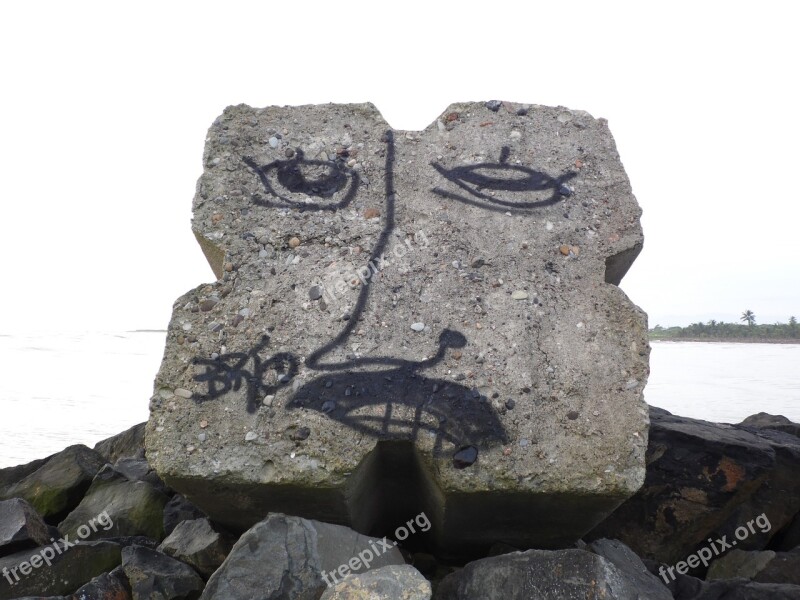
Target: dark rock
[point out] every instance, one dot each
(685, 587)
(133, 540)
(783, 568)
(632, 567)
(739, 563)
(155, 576)
(386, 583)
(500, 548)
(494, 105)
(12, 475)
(137, 469)
(424, 563)
(787, 538)
(707, 480)
(66, 572)
(764, 420)
(114, 506)
(544, 574)
(465, 457)
(743, 589)
(179, 509)
(197, 544)
(128, 444)
(290, 558)
(108, 586)
(58, 485)
(20, 526)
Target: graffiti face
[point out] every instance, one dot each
(384, 397)
(502, 186)
(305, 184)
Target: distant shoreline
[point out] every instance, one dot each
(722, 340)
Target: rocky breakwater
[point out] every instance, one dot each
(408, 322)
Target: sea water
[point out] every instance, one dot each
(62, 389)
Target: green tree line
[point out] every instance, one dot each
(716, 330)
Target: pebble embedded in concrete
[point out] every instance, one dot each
(465, 457)
(494, 105)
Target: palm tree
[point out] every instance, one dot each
(749, 317)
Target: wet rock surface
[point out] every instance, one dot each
(197, 544)
(624, 559)
(26, 573)
(383, 295)
(155, 576)
(58, 484)
(179, 509)
(543, 575)
(127, 508)
(20, 526)
(709, 480)
(739, 563)
(108, 586)
(126, 445)
(294, 559)
(387, 583)
(764, 420)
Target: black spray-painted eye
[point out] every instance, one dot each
(305, 184)
(502, 186)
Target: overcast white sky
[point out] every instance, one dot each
(105, 108)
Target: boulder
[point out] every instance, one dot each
(788, 538)
(546, 575)
(764, 420)
(108, 586)
(138, 469)
(739, 563)
(409, 321)
(57, 486)
(290, 558)
(386, 583)
(743, 589)
(20, 526)
(123, 541)
(114, 507)
(783, 568)
(57, 569)
(155, 576)
(179, 509)
(686, 587)
(624, 559)
(197, 544)
(708, 485)
(128, 444)
(12, 475)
